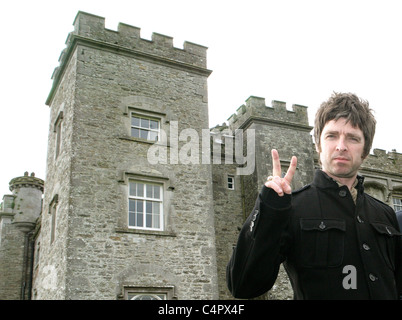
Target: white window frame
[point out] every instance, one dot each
(146, 200)
(397, 203)
(143, 128)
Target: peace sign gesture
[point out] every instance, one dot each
(276, 182)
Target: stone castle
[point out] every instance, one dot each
(108, 223)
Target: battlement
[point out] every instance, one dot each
(93, 27)
(127, 40)
(27, 182)
(255, 108)
(390, 161)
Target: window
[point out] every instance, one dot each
(145, 209)
(57, 130)
(52, 212)
(145, 296)
(148, 293)
(145, 128)
(397, 204)
(231, 182)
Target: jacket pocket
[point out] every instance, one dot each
(322, 242)
(386, 238)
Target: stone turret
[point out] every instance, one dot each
(18, 217)
(27, 191)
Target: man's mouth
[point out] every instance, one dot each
(341, 159)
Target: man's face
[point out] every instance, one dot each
(341, 149)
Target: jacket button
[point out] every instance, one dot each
(359, 219)
(342, 193)
(372, 277)
(366, 246)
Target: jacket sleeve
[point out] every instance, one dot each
(254, 265)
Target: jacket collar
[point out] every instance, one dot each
(323, 181)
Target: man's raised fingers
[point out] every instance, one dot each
(276, 165)
(292, 169)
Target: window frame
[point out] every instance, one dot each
(141, 117)
(397, 206)
(57, 129)
(168, 292)
(145, 199)
(53, 216)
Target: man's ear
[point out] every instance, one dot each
(317, 148)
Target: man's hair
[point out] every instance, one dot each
(353, 109)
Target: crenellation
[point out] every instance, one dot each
(93, 27)
(162, 40)
(88, 25)
(195, 49)
(389, 162)
(127, 31)
(279, 105)
(127, 40)
(255, 102)
(256, 108)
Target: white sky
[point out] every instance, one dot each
(297, 51)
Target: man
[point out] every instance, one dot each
(336, 241)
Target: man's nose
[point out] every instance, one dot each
(341, 145)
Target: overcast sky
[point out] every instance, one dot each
(297, 51)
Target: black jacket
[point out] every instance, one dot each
(331, 248)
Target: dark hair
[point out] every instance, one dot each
(353, 109)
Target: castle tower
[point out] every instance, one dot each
(18, 217)
(115, 224)
(273, 127)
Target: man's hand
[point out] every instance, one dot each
(276, 182)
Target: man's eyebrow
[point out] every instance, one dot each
(354, 135)
(331, 132)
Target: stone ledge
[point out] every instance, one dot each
(146, 232)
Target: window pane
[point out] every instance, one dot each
(140, 220)
(149, 221)
(131, 219)
(145, 123)
(156, 216)
(153, 136)
(156, 207)
(135, 121)
(140, 206)
(135, 132)
(144, 134)
(157, 192)
(149, 207)
(154, 124)
(149, 190)
(140, 189)
(131, 205)
(133, 189)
